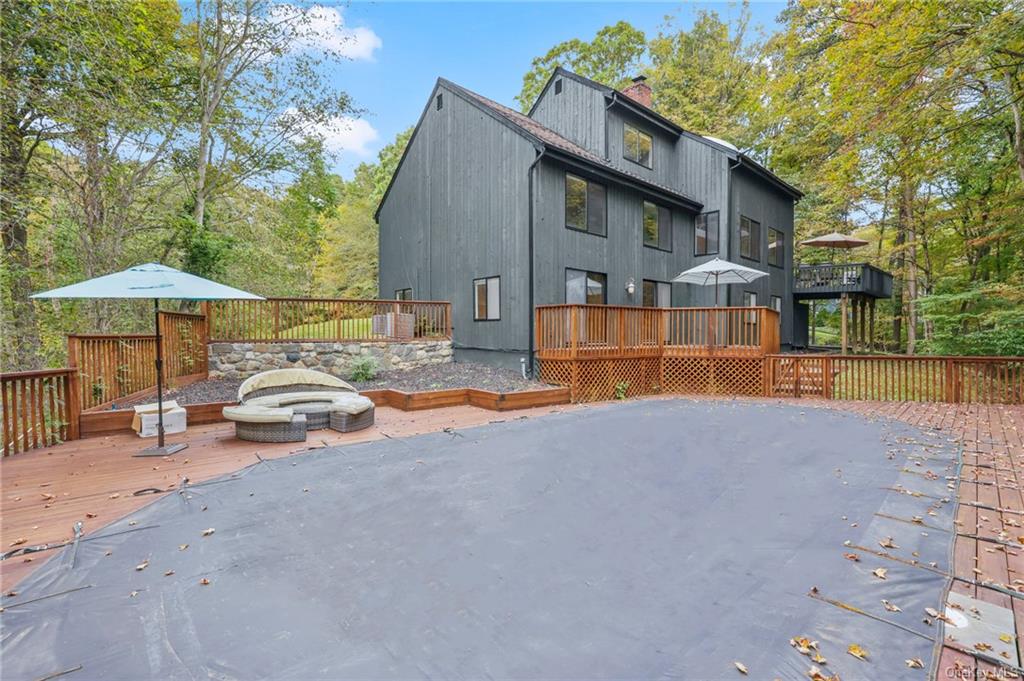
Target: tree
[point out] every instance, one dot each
(261, 93)
(612, 58)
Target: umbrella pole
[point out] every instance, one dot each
(160, 449)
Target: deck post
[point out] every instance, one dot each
(871, 325)
(74, 394)
(842, 323)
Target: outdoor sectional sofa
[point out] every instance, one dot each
(283, 404)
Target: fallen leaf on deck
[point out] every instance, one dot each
(742, 667)
(114, 495)
(888, 543)
(207, 532)
(891, 607)
(982, 646)
(19, 541)
(133, 594)
(817, 657)
(168, 573)
(90, 515)
(879, 572)
(915, 663)
(817, 675)
(142, 566)
(932, 612)
(182, 547)
(204, 581)
(1006, 638)
(857, 651)
(803, 645)
(852, 556)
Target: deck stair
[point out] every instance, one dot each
(810, 382)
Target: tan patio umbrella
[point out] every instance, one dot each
(835, 241)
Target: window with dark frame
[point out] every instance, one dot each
(636, 145)
(558, 86)
(657, 293)
(487, 299)
(777, 304)
(585, 288)
(585, 205)
(750, 238)
(657, 226)
(705, 235)
(750, 300)
(403, 294)
(439, 102)
(775, 253)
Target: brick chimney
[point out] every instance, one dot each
(639, 91)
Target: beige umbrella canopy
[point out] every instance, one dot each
(835, 240)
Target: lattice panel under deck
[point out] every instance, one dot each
(714, 376)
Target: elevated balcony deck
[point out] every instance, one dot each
(817, 282)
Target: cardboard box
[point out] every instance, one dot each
(146, 421)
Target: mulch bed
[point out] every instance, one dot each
(434, 377)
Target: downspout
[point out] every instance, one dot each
(729, 214)
(609, 105)
(532, 310)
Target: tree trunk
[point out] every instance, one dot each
(20, 350)
(910, 261)
(1018, 124)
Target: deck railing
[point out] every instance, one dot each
(899, 378)
(38, 408)
(327, 319)
(832, 280)
(580, 331)
(114, 367)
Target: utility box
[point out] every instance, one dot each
(394, 326)
(146, 419)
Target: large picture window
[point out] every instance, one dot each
(705, 235)
(750, 238)
(585, 288)
(657, 293)
(775, 252)
(636, 146)
(657, 226)
(487, 299)
(585, 205)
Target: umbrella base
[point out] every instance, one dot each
(161, 451)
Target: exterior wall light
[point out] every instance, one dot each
(630, 286)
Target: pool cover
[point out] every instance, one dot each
(652, 539)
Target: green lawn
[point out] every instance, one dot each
(329, 330)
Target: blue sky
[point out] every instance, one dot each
(401, 48)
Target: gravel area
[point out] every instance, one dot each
(435, 377)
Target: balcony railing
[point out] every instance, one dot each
(604, 331)
(831, 281)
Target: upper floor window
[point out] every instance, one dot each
(403, 294)
(585, 207)
(582, 287)
(558, 86)
(705, 234)
(487, 299)
(657, 293)
(439, 102)
(750, 238)
(657, 226)
(775, 253)
(636, 145)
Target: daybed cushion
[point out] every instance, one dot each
(276, 378)
(250, 414)
(284, 399)
(351, 404)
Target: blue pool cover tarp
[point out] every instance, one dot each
(651, 539)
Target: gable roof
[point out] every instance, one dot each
(624, 100)
(546, 140)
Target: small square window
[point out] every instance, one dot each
(439, 102)
(487, 299)
(558, 86)
(403, 294)
(582, 287)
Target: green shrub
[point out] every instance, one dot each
(364, 369)
(621, 388)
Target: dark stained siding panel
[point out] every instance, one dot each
(759, 200)
(458, 211)
(576, 114)
(664, 168)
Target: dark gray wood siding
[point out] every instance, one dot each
(664, 164)
(457, 211)
(621, 255)
(576, 114)
(761, 201)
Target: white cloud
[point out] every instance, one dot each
(346, 134)
(324, 28)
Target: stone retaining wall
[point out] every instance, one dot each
(240, 360)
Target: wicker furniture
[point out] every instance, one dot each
(266, 424)
(343, 422)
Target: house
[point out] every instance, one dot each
(592, 197)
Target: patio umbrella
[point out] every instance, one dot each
(718, 271)
(157, 282)
(835, 240)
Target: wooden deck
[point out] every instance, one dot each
(45, 491)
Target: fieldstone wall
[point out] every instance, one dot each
(241, 360)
